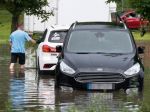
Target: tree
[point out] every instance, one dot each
(142, 7)
(30, 7)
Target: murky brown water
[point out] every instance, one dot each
(30, 92)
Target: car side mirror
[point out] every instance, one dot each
(58, 48)
(141, 49)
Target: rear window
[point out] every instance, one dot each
(57, 36)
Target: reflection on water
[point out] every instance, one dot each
(17, 89)
(27, 91)
(30, 58)
(83, 100)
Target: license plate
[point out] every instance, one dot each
(53, 54)
(97, 86)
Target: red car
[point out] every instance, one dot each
(133, 20)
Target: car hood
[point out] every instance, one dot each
(100, 62)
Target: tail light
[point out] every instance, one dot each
(48, 65)
(47, 48)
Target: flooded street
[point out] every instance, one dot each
(30, 92)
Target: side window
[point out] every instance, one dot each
(44, 35)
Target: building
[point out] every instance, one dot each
(69, 11)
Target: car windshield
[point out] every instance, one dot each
(57, 36)
(99, 41)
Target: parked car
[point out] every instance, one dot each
(133, 20)
(46, 51)
(99, 56)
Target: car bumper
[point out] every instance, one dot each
(47, 62)
(66, 80)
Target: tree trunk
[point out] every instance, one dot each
(14, 22)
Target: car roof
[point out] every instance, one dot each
(99, 25)
(58, 27)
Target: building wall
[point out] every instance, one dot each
(33, 23)
(82, 10)
(68, 11)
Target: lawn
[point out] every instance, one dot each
(5, 25)
(137, 36)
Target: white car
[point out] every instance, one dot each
(46, 51)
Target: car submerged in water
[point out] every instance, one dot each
(99, 56)
(46, 51)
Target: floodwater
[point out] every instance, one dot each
(29, 92)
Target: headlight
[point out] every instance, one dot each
(133, 70)
(66, 69)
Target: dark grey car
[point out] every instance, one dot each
(99, 55)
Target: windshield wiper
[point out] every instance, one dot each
(108, 53)
(114, 54)
(83, 53)
(99, 53)
(91, 53)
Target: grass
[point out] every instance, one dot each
(137, 36)
(5, 26)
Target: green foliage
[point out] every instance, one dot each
(73, 109)
(117, 1)
(30, 7)
(142, 6)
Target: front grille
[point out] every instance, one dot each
(100, 77)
